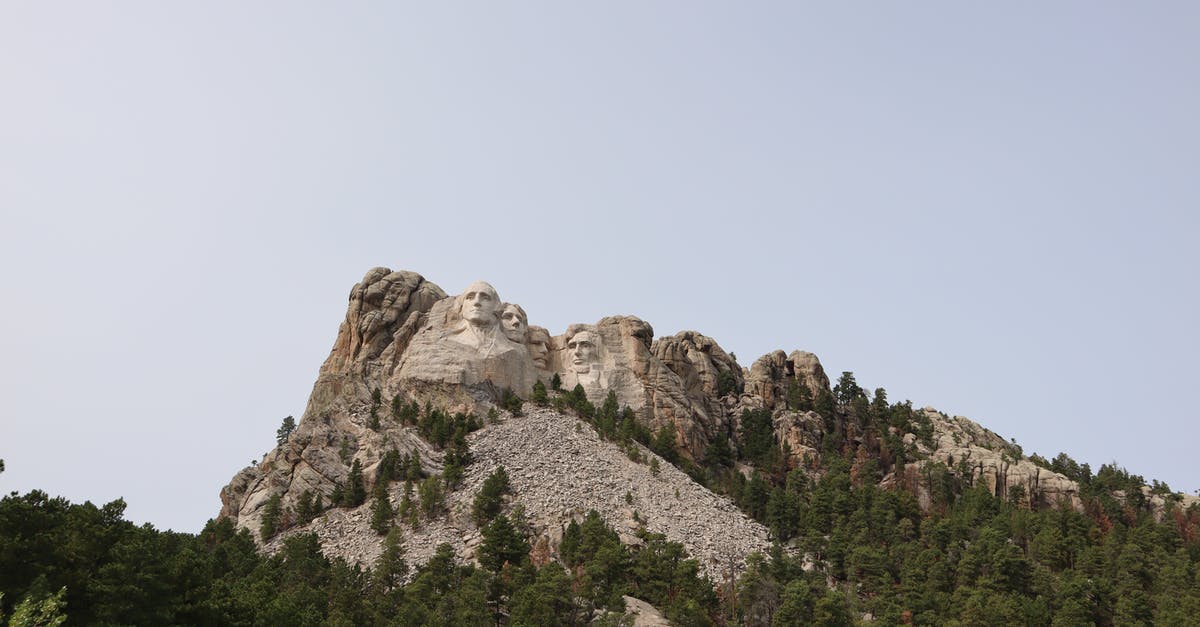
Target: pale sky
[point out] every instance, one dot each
(988, 209)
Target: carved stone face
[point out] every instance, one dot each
(514, 322)
(582, 352)
(480, 304)
(539, 347)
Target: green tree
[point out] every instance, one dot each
(718, 453)
(309, 507)
(502, 544)
(847, 390)
(799, 397)
(272, 512)
(548, 601)
(726, 383)
(556, 382)
(796, 604)
(487, 503)
(355, 493)
(538, 396)
(285, 430)
(432, 496)
(413, 470)
(757, 431)
(664, 444)
(382, 513)
(45, 611)
(511, 402)
(391, 568)
(832, 610)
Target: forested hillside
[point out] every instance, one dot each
(847, 550)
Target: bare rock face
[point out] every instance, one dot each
(643, 614)
(384, 313)
(699, 362)
(801, 432)
(463, 342)
(771, 375)
(405, 338)
(984, 458)
(671, 382)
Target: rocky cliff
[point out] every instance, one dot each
(406, 346)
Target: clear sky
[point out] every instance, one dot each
(991, 209)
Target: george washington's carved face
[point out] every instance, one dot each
(514, 322)
(480, 304)
(582, 351)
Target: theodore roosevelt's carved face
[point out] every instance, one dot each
(539, 347)
(514, 322)
(480, 304)
(582, 351)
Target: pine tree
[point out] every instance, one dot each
(308, 508)
(431, 495)
(664, 444)
(487, 503)
(382, 513)
(413, 470)
(356, 491)
(502, 544)
(285, 430)
(847, 389)
(799, 397)
(726, 383)
(718, 454)
(538, 396)
(270, 519)
(391, 568)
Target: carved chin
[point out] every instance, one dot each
(581, 368)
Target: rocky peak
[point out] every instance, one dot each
(772, 375)
(405, 344)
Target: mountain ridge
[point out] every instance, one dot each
(407, 346)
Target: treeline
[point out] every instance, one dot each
(971, 558)
(981, 561)
(90, 566)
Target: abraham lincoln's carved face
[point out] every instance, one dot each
(582, 351)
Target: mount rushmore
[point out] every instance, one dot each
(406, 341)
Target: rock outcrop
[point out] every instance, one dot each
(385, 311)
(405, 343)
(773, 374)
(981, 457)
(404, 338)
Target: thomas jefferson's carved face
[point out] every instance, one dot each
(480, 304)
(581, 349)
(514, 323)
(539, 347)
